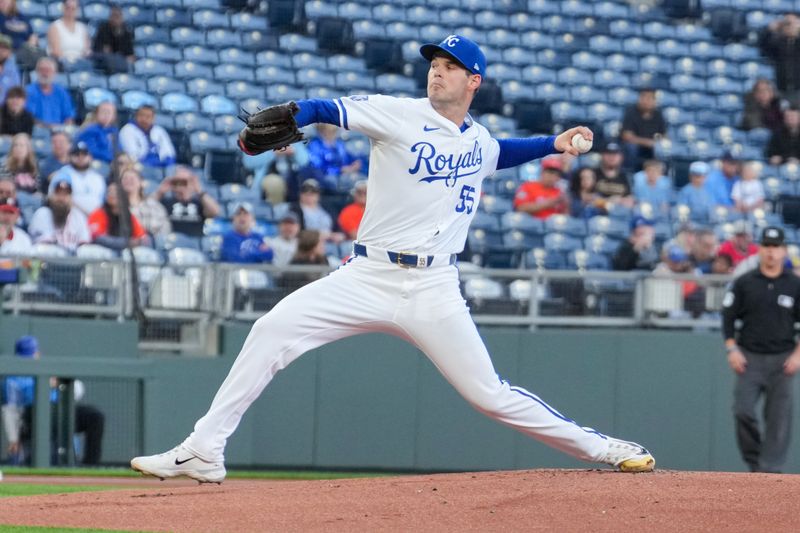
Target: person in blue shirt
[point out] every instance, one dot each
(102, 135)
(695, 195)
(652, 186)
(719, 182)
(49, 103)
(327, 154)
(9, 72)
(241, 244)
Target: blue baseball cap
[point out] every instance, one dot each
(461, 49)
(677, 254)
(26, 346)
(641, 221)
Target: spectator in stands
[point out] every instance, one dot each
(312, 215)
(21, 165)
(748, 192)
(109, 230)
(652, 186)
(638, 252)
(784, 145)
(545, 197)
(780, 41)
(145, 141)
(100, 132)
(762, 107)
(60, 147)
(120, 163)
(722, 264)
(113, 44)
(14, 118)
(9, 73)
(310, 251)
(719, 182)
(703, 250)
(612, 180)
(88, 186)
(350, 217)
(67, 37)
(276, 173)
(284, 245)
(49, 103)
(740, 246)
(642, 126)
(584, 200)
(188, 205)
(241, 244)
(675, 260)
(13, 239)
(694, 194)
(328, 154)
(57, 222)
(149, 211)
(16, 25)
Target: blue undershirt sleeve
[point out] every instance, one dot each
(515, 152)
(316, 111)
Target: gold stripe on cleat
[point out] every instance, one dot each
(639, 464)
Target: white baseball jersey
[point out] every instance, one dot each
(425, 174)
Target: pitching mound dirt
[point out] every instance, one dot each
(537, 500)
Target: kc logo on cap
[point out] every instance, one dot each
(463, 50)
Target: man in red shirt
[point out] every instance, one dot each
(544, 197)
(740, 246)
(350, 217)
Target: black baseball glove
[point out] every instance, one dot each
(269, 129)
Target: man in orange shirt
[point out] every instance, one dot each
(350, 217)
(544, 197)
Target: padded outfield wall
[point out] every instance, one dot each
(376, 402)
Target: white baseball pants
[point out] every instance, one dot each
(421, 305)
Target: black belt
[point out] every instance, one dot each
(404, 259)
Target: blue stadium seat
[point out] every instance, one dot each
(94, 96)
(164, 84)
(226, 124)
(273, 74)
(571, 42)
(567, 225)
(536, 74)
(514, 91)
(586, 260)
(658, 30)
(611, 10)
(420, 15)
(684, 82)
(346, 63)
(432, 32)
(216, 226)
(672, 115)
(193, 122)
(32, 9)
(740, 52)
(292, 42)
(240, 90)
(273, 58)
(757, 20)
(490, 19)
(622, 62)
(94, 13)
(521, 242)
(729, 103)
(672, 48)
(135, 15)
(656, 63)
(366, 29)
(235, 192)
(559, 242)
(576, 8)
(316, 9)
(517, 56)
(151, 67)
(553, 59)
(638, 46)
(218, 105)
(573, 76)
(178, 102)
(208, 18)
(602, 243)
(393, 83)
(751, 70)
(548, 92)
(496, 123)
(86, 79)
(513, 220)
(622, 28)
(170, 17)
(165, 121)
(721, 67)
(134, 99)
(622, 96)
(309, 60)
(236, 56)
(610, 78)
(189, 69)
(354, 11)
(706, 50)
(122, 82)
(585, 94)
(485, 221)
(163, 52)
(283, 92)
(502, 38)
(495, 204)
(313, 76)
(537, 40)
(697, 100)
(590, 26)
(166, 3)
(200, 87)
(759, 137)
(558, 25)
(201, 141)
(691, 66)
(721, 84)
(222, 38)
(200, 54)
(228, 72)
(601, 112)
(402, 31)
(355, 82)
(588, 61)
(187, 36)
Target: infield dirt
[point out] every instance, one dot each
(533, 500)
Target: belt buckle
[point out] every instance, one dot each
(400, 257)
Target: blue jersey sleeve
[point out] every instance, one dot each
(515, 152)
(316, 111)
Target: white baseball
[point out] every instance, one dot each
(581, 143)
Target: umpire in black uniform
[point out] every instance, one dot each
(764, 353)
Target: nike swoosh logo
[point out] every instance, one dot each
(184, 461)
(426, 128)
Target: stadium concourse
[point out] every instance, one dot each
(552, 64)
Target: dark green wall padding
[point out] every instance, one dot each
(374, 402)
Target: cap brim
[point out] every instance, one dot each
(772, 242)
(427, 51)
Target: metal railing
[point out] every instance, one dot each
(181, 303)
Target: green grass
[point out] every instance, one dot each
(232, 474)
(42, 529)
(30, 489)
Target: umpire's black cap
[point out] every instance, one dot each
(772, 236)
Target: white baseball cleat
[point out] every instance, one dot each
(179, 462)
(628, 456)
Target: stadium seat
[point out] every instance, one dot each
(151, 67)
(178, 102)
(145, 34)
(193, 122)
(170, 17)
(164, 84)
(218, 105)
(229, 72)
(200, 87)
(209, 18)
(186, 70)
(135, 99)
(95, 96)
(283, 92)
(163, 52)
(187, 36)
